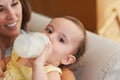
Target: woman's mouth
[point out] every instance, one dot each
(11, 25)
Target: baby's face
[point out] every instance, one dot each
(64, 36)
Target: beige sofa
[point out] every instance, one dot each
(102, 58)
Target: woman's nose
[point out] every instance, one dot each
(11, 15)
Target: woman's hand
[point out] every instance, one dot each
(1, 73)
(2, 68)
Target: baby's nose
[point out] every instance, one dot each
(50, 38)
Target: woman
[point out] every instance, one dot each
(14, 15)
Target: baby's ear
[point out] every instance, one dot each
(68, 60)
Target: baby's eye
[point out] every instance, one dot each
(62, 40)
(48, 30)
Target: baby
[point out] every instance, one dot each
(68, 38)
(67, 44)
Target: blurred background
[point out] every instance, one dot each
(99, 16)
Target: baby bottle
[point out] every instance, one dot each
(30, 45)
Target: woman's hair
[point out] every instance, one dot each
(82, 45)
(26, 13)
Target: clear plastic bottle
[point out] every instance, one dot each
(31, 44)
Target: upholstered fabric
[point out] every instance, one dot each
(101, 60)
(102, 57)
(37, 22)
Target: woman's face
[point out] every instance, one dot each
(10, 17)
(64, 36)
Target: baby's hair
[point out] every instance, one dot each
(81, 48)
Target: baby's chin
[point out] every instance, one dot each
(48, 63)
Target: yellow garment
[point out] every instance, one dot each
(17, 71)
(52, 68)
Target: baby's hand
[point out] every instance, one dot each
(2, 73)
(43, 57)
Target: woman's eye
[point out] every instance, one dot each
(14, 4)
(62, 40)
(1, 10)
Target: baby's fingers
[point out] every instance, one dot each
(43, 57)
(47, 50)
